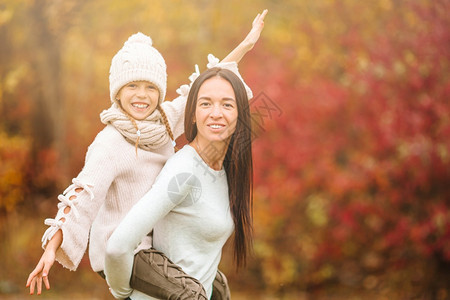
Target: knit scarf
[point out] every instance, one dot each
(151, 133)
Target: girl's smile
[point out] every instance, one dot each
(139, 99)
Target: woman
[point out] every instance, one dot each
(124, 159)
(202, 194)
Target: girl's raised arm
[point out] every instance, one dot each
(249, 41)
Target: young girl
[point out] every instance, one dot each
(202, 194)
(125, 157)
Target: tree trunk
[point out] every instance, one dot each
(49, 107)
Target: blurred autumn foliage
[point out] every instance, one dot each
(352, 151)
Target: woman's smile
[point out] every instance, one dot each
(216, 111)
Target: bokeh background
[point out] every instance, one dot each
(351, 141)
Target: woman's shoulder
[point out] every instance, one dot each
(182, 156)
(178, 167)
(182, 160)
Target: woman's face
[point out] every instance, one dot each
(139, 98)
(216, 111)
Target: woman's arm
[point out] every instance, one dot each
(249, 41)
(138, 222)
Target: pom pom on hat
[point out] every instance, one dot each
(137, 60)
(139, 38)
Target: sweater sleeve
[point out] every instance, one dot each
(140, 220)
(75, 223)
(175, 114)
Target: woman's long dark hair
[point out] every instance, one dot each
(238, 162)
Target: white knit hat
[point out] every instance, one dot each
(137, 60)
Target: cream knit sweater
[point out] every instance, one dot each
(113, 180)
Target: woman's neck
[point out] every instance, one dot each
(212, 153)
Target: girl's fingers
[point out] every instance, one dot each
(28, 281)
(30, 278)
(259, 20)
(39, 285)
(33, 274)
(264, 13)
(262, 16)
(46, 282)
(32, 286)
(39, 274)
(255, 20)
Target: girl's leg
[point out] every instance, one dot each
(155, 275)
(221, 291)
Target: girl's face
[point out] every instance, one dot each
(216, 111)
(139, 98)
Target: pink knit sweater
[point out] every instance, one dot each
(113, 179)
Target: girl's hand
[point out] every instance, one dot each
(40, 273)
(249, 41)
(255, 32)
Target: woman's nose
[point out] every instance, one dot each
(216, 111)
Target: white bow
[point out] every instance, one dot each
(184, 89)
(212, 61)
(70, 203)
(195, 74)
(77, 183)
(55, 225)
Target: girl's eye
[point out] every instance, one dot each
(151, 87)
(132, 85)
